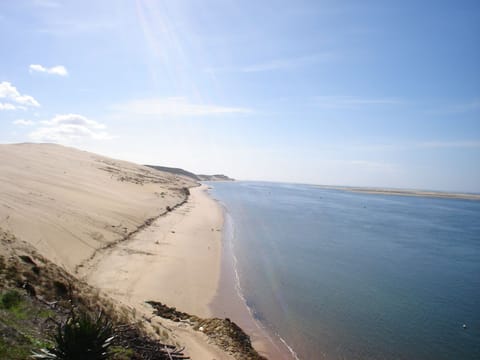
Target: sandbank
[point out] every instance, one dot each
(406, 192)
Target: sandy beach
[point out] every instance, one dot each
(176, 260)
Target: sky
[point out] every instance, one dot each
(359, 93)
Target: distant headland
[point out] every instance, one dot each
(199, 177)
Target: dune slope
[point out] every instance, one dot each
(69, 203)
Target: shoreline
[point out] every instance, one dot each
(175, 260)
(229, 301)
(124, 229)
(164, 263)
(182, 260)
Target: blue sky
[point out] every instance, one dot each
(370, 93)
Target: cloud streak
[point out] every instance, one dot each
(373, 165)
(68, 128)
(287, 63)
(22, 122)
(175, 107)
(339, 102)
(277, 64)
(59, 70)
(465, 107)
(7, 106)
(10, 93)
(449, 144)
(47, 4)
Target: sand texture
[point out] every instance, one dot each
(176, 260)
(69, 203)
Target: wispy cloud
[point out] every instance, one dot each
(10, 93)
(47, 3)
(373, 165)
(467, 106)
(449, 144)
(68, 128)
(418, 145)
(277, 64)
(22, 122)
(338, 102)
(54, 70)
(175, 107)
(7, 106)
(287, 63)
(73, 119)
(66, 27)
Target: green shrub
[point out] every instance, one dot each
(120, 353)
(81, 337)
(10, 299)
(12, 351)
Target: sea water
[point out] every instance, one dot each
(343, 275)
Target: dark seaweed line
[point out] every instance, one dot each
(128, 236)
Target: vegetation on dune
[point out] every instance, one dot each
(10, 299)
(22, 325)
(44, 307)
(48, 313)
(81, 337)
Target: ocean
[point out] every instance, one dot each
(343, 275)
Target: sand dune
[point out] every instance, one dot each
(69, 203)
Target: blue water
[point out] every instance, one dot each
(343, 275)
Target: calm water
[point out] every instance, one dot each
(341, 275)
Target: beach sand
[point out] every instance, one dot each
(69, 203)
(176, 260)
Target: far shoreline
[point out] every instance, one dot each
(405, 192)
(441, 194)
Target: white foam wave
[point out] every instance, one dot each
(292, 352)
